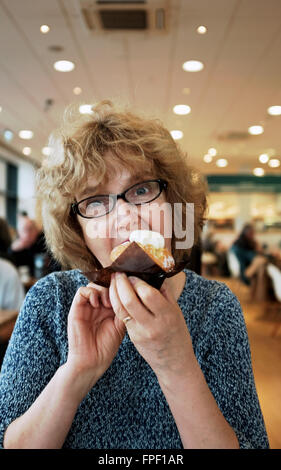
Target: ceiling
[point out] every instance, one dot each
(241, 52)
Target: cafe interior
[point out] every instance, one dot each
(210, 71)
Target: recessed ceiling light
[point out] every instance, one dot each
(176, 134)
(86, 109)
(255, 130)
(193, 66)
(26, 150)
(8, 135)
(274, 110)
(182, 109)
(46, 151)
(77, 90)
(263, 158)
(221, 162)
(212, 151)
(207, 158)
(25, 134)
(258, 171)
(274, 163)
(44, 28)
(201, 30)
(64, 65)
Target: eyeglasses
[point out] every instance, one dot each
(102, 204)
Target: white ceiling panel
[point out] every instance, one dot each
(241, 53)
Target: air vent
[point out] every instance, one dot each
(103, 15)
(233, 135)
(123, 19)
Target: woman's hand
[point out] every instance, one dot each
(157, 328)
(94, 333)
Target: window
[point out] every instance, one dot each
(8, 192)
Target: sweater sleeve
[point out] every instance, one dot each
(228, 370)
(32, 357)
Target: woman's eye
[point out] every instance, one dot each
(94, 203)
(142, 190)
(95, 207)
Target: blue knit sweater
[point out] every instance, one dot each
(126, 409)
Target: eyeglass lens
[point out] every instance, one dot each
(141, 193)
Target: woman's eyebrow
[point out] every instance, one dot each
(96, 190)
(90, 190)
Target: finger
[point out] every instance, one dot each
(152, 299)
(97, 287)
(118, 308)
(128, 298)
(86, 295)
(120, 311)
(103, 292)
(83, 297)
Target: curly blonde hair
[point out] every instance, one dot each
(137, 143)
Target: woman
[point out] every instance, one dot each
(249, 254)
(129, 366)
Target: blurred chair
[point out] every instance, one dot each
(209, 263)
(275, 275)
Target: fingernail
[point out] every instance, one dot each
(120, 275)
(133, 280)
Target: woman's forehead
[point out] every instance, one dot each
(117, 175)
(122, 175)
(123, 170)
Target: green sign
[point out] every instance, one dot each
(244, 183)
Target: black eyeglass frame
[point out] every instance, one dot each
(162, 186)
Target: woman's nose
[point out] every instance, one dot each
(126, 219)
(125, 210)
(123, 207)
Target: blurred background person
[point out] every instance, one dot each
(29, 249)
(249, 253)
(214, 255)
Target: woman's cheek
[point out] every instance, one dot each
(95, 236)
(94, 229)
(159, 218)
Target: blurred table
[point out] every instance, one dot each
(7, 323)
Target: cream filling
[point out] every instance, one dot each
(148, 237)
